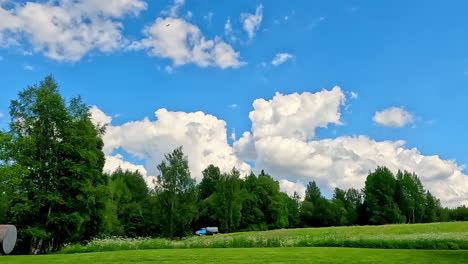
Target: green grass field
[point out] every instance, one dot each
(251, 255)
(440, 236)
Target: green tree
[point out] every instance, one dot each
(206, 189)
(62, 151)
(176, 194)
(341, 206)
(432, 209)
(293, 206)
(354, 201)
(227, 201)
(409, 194)
(316, 210)
(129, 196)
(379, 193)
(253, 218)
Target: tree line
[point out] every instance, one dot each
(53, 188)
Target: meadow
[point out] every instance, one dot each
(251, 255)
(436, 236)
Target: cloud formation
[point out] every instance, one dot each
(393, 117)
(291, 187)
(183, 43)
(251, 22)
(173, 10)
(281, 58)
(28, 67)
(282, 142)
(202, 136)
(67, 30)
(296, 115)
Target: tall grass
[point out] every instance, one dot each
(422, 236)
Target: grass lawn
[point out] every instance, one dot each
(251, 255)
(453, 235)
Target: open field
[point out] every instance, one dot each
(251, 255)
(441, 236)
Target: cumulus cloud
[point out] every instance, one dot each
(393, 117)
(202, 136)
(67, 30)
(113, 162)
(209, 17)
(251, 22)
(173, 10)
(281, 58)
(28, 67)
(292, 187)
(228, 27)
(296, 115)
(183, 43)
(1, 115)
(282, 142)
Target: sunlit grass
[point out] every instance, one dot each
(251, 255)
(417, 236)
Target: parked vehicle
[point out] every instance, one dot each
(206, 231)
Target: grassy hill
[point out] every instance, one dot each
(452, 235)
(251, 255)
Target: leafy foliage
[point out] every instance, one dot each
(52, 187)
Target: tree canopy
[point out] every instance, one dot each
(53, 188)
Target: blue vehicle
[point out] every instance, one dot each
(206, 231)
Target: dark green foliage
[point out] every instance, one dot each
(176, 195)
(379, 193)
(129, 214)
(53, 188)
(58, 197)
(227, 201)
(264, 206)
(316, 210)
(409, 194)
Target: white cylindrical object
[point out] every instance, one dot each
(7, 238)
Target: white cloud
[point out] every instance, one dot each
(203, 137)
(345, 162)
(99, 117)
(66, 30)
(209, 17)
(228, 27)
(28, 67)
(113, 162)
(393, 117)
(169, 69)
(229, 32)
(296, 115)
(281, 58)
(282, 143)
(291, 187)
(353, 95)
(1, 115)
(173, 10)
(252, 22)
(183, 43)
(233, 134)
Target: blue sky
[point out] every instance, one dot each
(407, 54)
